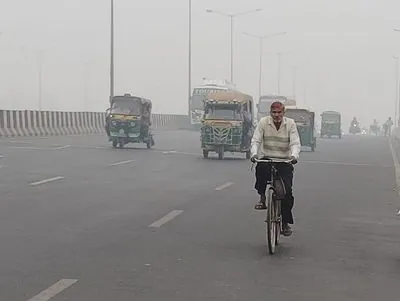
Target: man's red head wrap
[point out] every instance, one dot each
(277, 105)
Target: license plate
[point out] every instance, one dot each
(133, 135)
(117, 134)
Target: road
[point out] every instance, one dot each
(82, 221)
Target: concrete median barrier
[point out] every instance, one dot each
(15, 123)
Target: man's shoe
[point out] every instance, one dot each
(287, 230)
(260, 205)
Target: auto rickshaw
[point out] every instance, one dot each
(227, 124)
(129, 121)
(305, 121)
(331, 124)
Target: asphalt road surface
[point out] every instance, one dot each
(80, 220)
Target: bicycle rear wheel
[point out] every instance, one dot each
(271, 220)
(278, 221)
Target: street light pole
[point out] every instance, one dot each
(190, 58)
(279, 73)
(112, 53)
(397, 87)
(40, 79)
(294, 82)
(40, 86)
(232, 16)
(261, 40)
(396, 58)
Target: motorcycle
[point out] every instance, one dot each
(354, 129)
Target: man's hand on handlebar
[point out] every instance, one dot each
(254, 159)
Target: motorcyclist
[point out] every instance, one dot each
(388, 126)
(354, 122)
(276, 136)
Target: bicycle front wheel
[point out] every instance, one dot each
(271, 220)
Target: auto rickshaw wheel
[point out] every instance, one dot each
(121, 143)
(221, 153)
(115, 143)
(205, 153)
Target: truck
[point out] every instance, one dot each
(265, 101)
(200, 94)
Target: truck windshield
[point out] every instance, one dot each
(330, 118)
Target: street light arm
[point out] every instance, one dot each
(396, 29)
(265, 36)
(212, 11)
(252, 35)
(233, 15)
(247, 12)
(275, 34)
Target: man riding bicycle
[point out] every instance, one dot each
(276, 136)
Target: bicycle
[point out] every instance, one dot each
(275, 193)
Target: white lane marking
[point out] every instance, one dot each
(46, 181)
(61, 147)
(179, 153)
(396, 169)
(122, 162)
(54, 290)
(344, 163)
(40, 148)
(21, 141)
(170, 152)
(26, 147)
(165, 219)
(1, 156)
(395, 160)
(223, 186)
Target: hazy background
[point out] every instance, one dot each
(342, 49)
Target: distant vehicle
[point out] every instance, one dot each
(305, 121)
(265, 101)
(200, 93)
(331, 124)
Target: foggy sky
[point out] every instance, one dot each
(342, 49)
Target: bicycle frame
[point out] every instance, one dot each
(274, 195)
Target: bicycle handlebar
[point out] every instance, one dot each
(273, 160)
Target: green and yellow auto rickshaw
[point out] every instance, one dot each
(128, 121)
(227, 124)
(331, 124)
(305, 121)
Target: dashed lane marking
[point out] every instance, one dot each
(122, 162)
(223, 186)
(165, 219)
(46, 181)
(54, 290)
